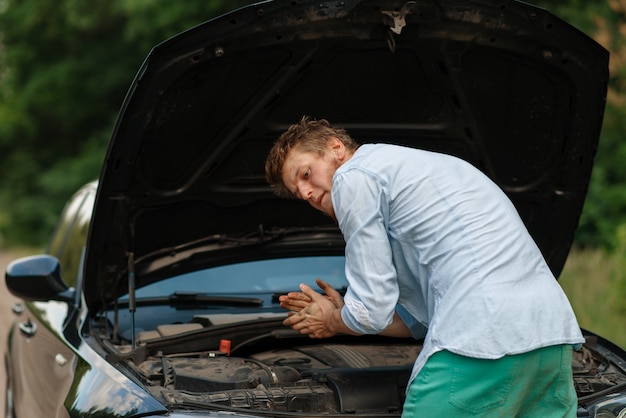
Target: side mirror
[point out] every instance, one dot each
(37, 278)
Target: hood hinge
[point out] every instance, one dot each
(396, 21)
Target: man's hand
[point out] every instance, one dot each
(296, 301)
(314, 314)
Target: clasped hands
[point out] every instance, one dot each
(314, 314)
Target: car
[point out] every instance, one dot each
(158, 292)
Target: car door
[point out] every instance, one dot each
(42, 360)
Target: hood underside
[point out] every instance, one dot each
(508, 87)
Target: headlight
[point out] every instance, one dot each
(614, 406)
(607, 414)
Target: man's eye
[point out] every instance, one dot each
(306, 174)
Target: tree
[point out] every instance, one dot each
(65, 66)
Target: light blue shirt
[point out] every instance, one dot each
(432, 237)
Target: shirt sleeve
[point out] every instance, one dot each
(361, 204)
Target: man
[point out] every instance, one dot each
(434, 249)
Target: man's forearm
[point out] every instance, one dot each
(341, 327)
(397, 328)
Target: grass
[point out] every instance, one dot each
(595, 283)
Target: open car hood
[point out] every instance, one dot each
(507, 86)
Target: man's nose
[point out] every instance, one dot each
(305, 191)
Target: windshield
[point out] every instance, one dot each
(263, 276)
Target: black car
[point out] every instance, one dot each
(158, 294)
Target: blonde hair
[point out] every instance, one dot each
(308, 135)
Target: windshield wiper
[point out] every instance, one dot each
(196, 297)
(181, 299)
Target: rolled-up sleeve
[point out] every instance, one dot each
(361, 201)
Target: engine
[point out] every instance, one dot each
(317, 378)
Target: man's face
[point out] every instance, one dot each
(309, 176)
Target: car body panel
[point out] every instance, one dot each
(72, 379)
(507, 86)
(35, 347)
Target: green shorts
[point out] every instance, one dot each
(534, 384)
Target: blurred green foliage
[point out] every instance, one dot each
(65, 66)
(595, 284)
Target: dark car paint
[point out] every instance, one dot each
(507, 86)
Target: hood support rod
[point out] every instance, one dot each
(132, 306)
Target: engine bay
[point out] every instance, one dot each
(259, 365)
(319, 378)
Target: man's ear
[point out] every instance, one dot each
(336, 147)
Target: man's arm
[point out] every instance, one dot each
(319, 316)
(397, 328)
